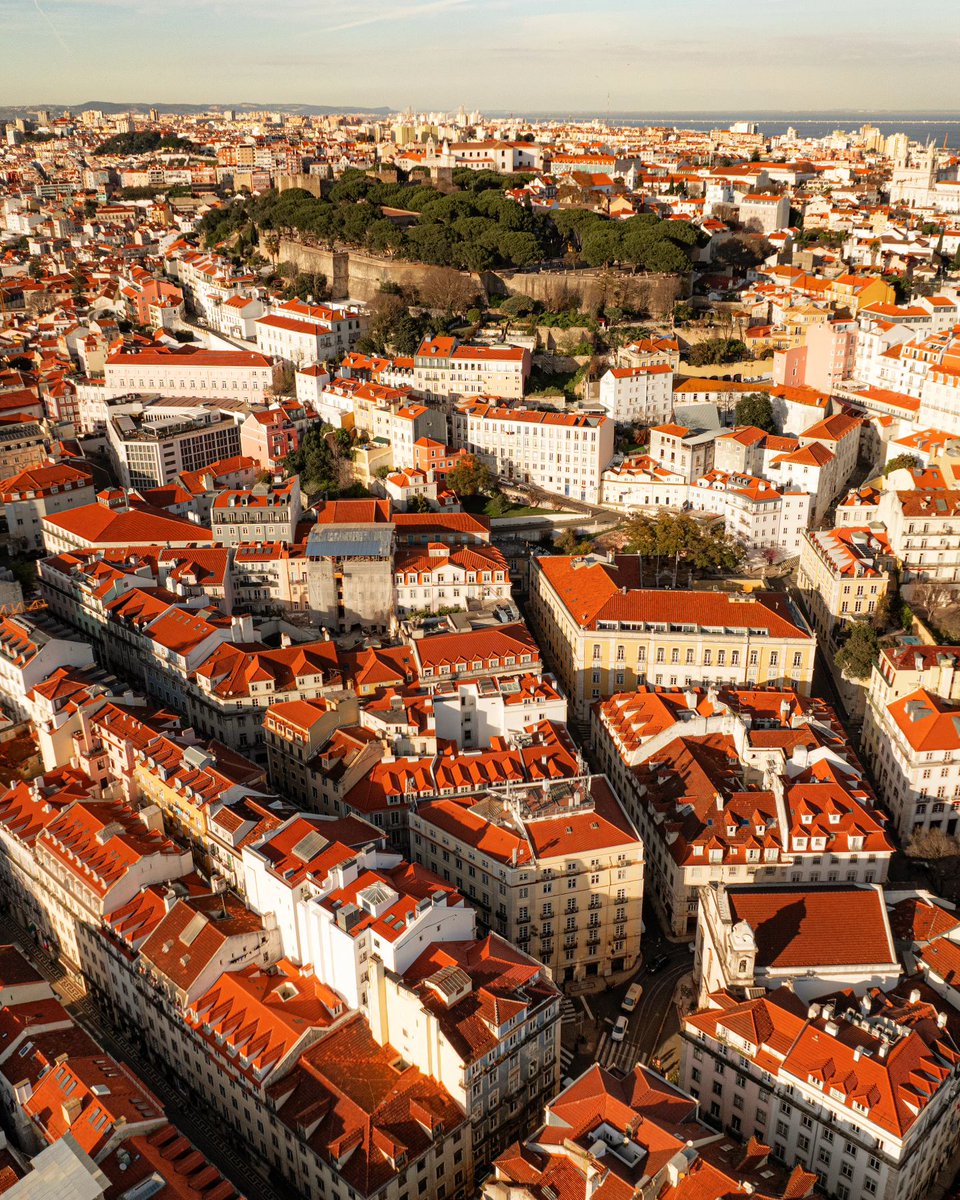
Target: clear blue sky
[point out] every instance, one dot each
(630, 55)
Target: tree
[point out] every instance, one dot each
(499, 505)
(717, 350)
(755, 409)
(932, 843)
(448, 290)
(679, 538)
(569, 543)
(683, 312)
(285, 381)
(859, 652)
(908, 461)
(742, 251)
(469, 477)
(322, 460)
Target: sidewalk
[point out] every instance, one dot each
(666, 1059)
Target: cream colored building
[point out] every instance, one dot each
(604, 633)
(912, 737)
(843, 573)
(443, 367)
(558, 869)
(563, 453)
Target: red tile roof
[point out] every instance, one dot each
(594, 591)
(829, 926)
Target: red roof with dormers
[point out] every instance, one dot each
(92, 1097)
(100, 842)
(26, 809)
(255, 1019)
(884, 1069)
(195, 930)
(362, 1121)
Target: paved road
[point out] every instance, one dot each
(652, 1023)
(197, 1121)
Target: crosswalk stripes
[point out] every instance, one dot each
(617, 1056)
(566, 1057)
(568, 1010)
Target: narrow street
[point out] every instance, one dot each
(200, 1124)
(651, 1026)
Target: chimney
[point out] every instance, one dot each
(915, 996)
(241, 628)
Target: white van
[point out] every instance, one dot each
(632, 998)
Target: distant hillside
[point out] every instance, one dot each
(9, 112)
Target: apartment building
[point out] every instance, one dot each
(488, 1016)
(300, 333)
(559, 867)
(190, 371)
(33, 646)
(449, 578)
(762, 212)
(444, 367)
(540, 752)
(350, 554)
(757, 513)
(562, 453)
(263, 513)
(913, 739)
(610, 1132)
(205, 485)
(209, 284)
(843, 574)
(29, 496)
(603, 632)
(752, 785)
(683, 450)
(923, 532)
(823, 361)
(268, 437)
(151, 450)
(192, 972)
(79, 858)
(822, 1084)
(642, 395)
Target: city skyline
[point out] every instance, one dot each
(631, 57)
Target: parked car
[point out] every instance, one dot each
(619, 1031)
(632, 998)
(657, 963)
